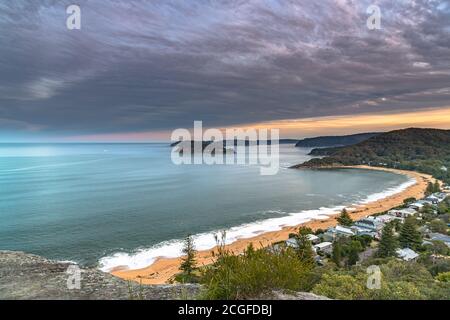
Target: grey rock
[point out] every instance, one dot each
(291, 295)
(27, 276)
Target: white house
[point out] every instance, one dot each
(338, 231)
(292, 242)
(433, 199)
(370, 223)
(386, 218)
(407, 254)
(361, 231)
(313, 238)
(402, 213)
(416, 205)
(325, 247)
(441, 196)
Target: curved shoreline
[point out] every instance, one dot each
(164, 268)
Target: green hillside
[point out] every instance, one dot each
(423, 150)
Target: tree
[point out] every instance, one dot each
(430, 189)
(319, 231)
(388, 242)
(443, 208)
(436, 187)
(344, 218)
(304, 249)
(433, 188)
(336, 255)
(439, 226)
(409, 200)
(305, 230)
(410, 237)
(353, 254)
(439, 247)
(188, 262)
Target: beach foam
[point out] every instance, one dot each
(204, 241)
(171, 249)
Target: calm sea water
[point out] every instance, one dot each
(125, 204)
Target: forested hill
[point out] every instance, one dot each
(424, 150)
(328, 141)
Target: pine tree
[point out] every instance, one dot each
(353, 253)
(430, 189)
(436, 187)
(344, 218)
(305, 230)
(304, 249)
(188, 262)
(388, 242)
(336, 255)
(410, 237)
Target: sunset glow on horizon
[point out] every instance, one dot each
(301, 128)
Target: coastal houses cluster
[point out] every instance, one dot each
(372, 226)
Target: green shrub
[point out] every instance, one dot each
(255, 273)
(439, 226)
(342, 287)
(443, 277)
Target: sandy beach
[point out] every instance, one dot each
(164, 268)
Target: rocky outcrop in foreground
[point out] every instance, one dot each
(292, 295)
(26, 276)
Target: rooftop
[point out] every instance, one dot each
(407, 254)
(323, 245)
(440, 237)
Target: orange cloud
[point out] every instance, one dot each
(297, 128)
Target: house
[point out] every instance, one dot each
(407, 254)
(313, 238)
(433, 199)
(416, 205)
(292, 242)
(325, 247)
(440, 237)
(386, 218)
(361, 231)
(441, 196)
(370, 223)
(337, 232)
(402, 213)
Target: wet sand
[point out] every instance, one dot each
(164, 268)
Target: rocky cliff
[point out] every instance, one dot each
(26, 276)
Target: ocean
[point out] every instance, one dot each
(106, 205)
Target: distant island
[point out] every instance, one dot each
(328, 141)
(234, 143)
(422, 150)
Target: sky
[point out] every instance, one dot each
(136, 70)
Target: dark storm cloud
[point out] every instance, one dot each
(155, 65)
